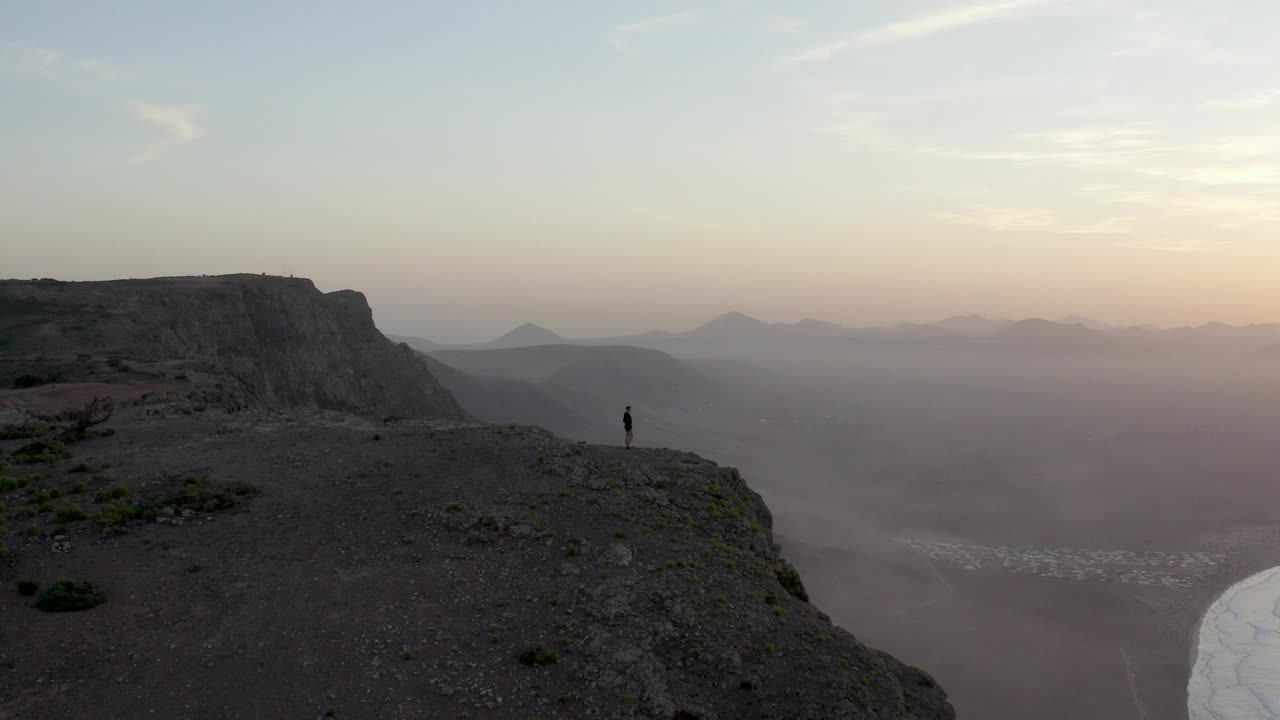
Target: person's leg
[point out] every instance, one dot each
(628, 439)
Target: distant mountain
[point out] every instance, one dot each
(812, 327)
(1087, 322)
(1220, 336)
(737, 326)
(732, 325)
(1071, 333)
(973, 325)
(914, 330)
(527, 335)
(1046, 335)
(417, 343)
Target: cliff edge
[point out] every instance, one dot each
(309, 564)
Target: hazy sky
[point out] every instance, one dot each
(606, 167)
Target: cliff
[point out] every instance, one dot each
(235, 339)
(282, 561)
(304, 564)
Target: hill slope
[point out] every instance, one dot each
(593, 383)
(235, 339)
(503, 400)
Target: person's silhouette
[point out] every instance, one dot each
(626, 425)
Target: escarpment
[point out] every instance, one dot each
(236, 339)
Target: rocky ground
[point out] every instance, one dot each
(303, 563)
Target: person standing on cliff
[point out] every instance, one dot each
(626, 425)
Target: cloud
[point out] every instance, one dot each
(1185, 46)
(940, 20)
(1227, 210)
(620, 36)
(33, 60)
(175, 123)
(1136, 149)
(1185, 246)
(1171, 33)
(1021, 219)
(1246, 101)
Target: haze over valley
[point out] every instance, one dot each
(1029, 501)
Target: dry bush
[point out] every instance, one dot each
(95, 412)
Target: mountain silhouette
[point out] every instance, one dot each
(1046, 335)
(732, 325)
(526, 335)
(973, 325)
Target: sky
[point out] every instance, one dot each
(604, 167)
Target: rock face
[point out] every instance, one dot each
(263, 340)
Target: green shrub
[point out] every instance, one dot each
(79, 488)
(789, 579)
(41, 452)
(69, 513)
(80, 468)
(453, 507)
(244, 489)
(28, 587)
(113, 518)
(33, 531)
(21, 432)
(70, 595)
(198, 500)
(537, 655)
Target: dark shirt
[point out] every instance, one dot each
(626, 421)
